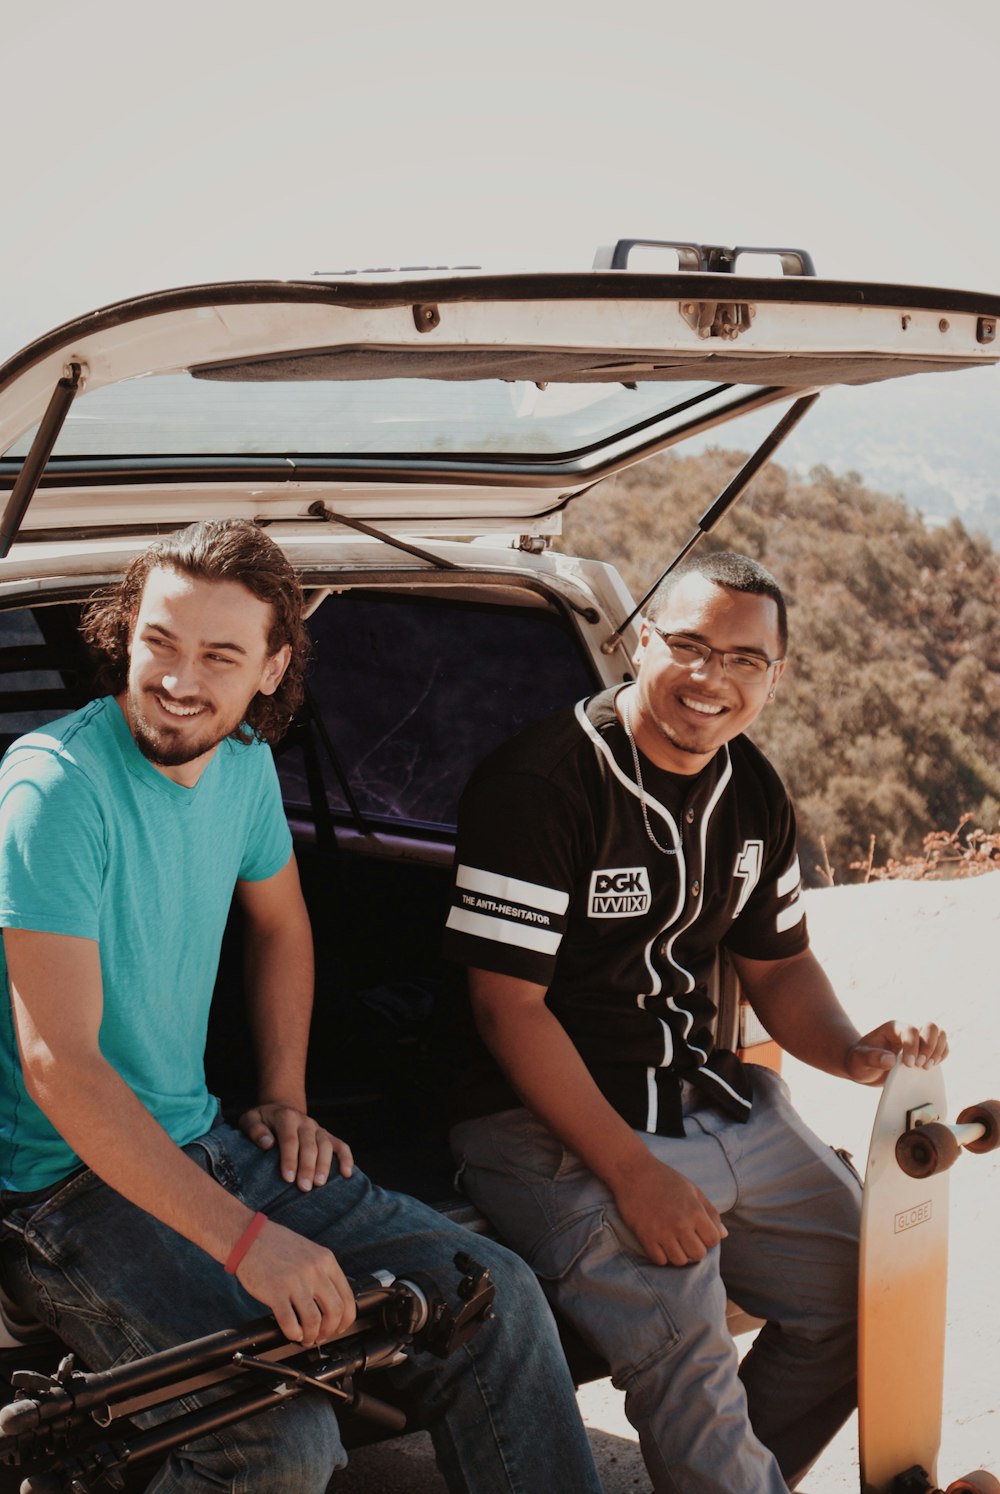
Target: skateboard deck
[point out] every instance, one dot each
(903, 1282)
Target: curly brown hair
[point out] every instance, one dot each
(212, 550)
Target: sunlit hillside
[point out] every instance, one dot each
(888, 717)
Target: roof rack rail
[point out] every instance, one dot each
(711, 258)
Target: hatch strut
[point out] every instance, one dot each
(722, 504)
(319, 510)
(316, 720)
(41, 449)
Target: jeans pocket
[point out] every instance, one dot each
(41, 1221)
(213, 1153)
(45, 1263)
(515, 1143)
(553, 1257)
(617, 1300)
(768, 1081)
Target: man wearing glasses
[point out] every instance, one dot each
(604, 858)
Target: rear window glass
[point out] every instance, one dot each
(412, 694)
(176, 415)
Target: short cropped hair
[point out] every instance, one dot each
(212, 550)
(726, 568)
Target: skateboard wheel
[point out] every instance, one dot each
(986, 1114)
(925, 1150)
(979, 1482)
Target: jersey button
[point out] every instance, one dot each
(695, 888)
(689, 816)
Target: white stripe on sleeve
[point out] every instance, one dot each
(789, 880)
(788, 917)
(504, 931)
(512, 889)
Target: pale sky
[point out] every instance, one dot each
(151, 145)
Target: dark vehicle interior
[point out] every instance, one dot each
(406, 694)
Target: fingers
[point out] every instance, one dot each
(298, 1148)
(690, 1246)
(925, 1046)
(684, 1238)
(306, 1152)
(869, 1065)
(302, 1284)
(705, 1231)
(335, 1151)
(918, 1047)
(252, 1124)
(672, 1221)
(317, 1312)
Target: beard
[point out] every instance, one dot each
(678, 735)
(170, 747)
(672, 734)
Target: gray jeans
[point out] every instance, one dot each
(791, 1205)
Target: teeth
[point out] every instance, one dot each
(702, 707)
(176, 710)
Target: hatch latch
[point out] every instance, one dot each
(726, 319)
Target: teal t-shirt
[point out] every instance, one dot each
(96, 843)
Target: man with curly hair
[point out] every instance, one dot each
(132, 1216)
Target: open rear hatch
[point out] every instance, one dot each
(452, 403)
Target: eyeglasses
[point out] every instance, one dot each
(687, 654)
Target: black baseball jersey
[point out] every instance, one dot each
(558, 882)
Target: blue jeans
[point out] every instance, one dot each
(706, 1424)
(115, 1284)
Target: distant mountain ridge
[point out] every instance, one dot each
(934, 441)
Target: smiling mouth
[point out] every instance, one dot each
(171, 708)
(702, 707)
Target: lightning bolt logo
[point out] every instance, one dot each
(748, 865)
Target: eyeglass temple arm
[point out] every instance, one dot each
(734, 489)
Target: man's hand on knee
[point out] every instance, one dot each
(306, 1152)
(673, 1221)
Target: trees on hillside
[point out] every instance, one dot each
(888, 717)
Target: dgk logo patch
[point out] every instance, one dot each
(619, 892)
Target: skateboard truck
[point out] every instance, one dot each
(930, 1145)
(915, 1481)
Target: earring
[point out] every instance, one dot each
(770, 695)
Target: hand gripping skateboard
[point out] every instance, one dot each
(903, 1280)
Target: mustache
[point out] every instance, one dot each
(184, 703)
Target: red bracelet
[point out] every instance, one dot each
(244, 1242)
